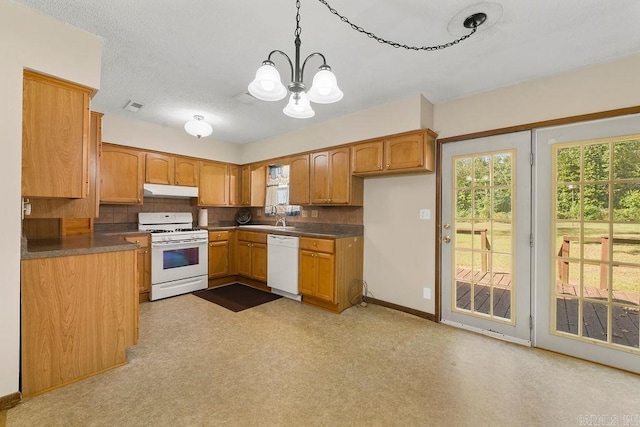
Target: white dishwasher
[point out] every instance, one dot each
(282, 265)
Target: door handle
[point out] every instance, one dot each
(446, 239)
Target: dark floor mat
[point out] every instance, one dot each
(236, 297)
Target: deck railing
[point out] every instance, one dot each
(565, 252)
(485, 245)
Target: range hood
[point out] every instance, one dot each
(157, 190)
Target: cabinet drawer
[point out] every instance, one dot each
(142, 240)
(216, 236)
(320, 245)
(252, 236)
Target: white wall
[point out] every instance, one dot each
(598, 88)
(28, 40)
(135, 133)
(394, 117)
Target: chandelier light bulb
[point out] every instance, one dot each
(324, 89)
(198, 127)
(267, 85)
(299, 106)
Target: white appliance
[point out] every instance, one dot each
(179, 253)
(282, 265)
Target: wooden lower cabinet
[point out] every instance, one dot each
(252, 255)
(222, 254)
(330, 272)
(143, 255)
(78, 314)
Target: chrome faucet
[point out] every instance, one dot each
(282, 221)
(280, 217)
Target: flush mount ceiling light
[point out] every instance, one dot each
(267, 85)
(198, 127)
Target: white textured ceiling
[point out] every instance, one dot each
(181, 58)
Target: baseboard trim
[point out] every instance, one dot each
(402, 308)
(10, 400)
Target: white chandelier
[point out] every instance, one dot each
(198, 127)
(267, 85)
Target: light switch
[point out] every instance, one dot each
(425, 213)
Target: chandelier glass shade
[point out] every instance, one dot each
(198, 127)
(267, 85)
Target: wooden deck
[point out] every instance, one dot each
(625, 318)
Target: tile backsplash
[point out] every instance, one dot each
(126, 216)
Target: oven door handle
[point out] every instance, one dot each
(179, 244)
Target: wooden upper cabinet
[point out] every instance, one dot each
(159, 169)
(122, 175)
(404, 152)
(339, 176)
(367, 157)
(409, 152)
(235, 185)
(214, 184)
(299, 180)
(330, 180)
(171, 170)
(186, 172)
(55, 138)
(77, 208)
(254, 185)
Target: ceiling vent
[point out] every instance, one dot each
(245, 98)
(133, 106)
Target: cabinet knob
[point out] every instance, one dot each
(315, 243)
(379, 166)
(219, 236)
(387, 166)
(146, 252)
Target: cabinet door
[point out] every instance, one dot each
(299, 180)
(244, 258)
(219, 259)
(55, 138)
(214, 184)
(259, 261)
(339, 176)
(235, 187)
(121, 175)
(367, 157)
(404, 152)
(319, 178)
(258, 185)
(159, 169)
(77, 208)
(186, 172)
(245, 196)
(325, 285)
(144, 262)
(307, 273)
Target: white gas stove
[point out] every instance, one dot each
(179, 262)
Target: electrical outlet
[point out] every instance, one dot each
(425, 213)
(259, 212)
(426, 293)
(304, 213)
(314, 213)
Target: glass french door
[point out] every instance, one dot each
(485, 235)
(588, 241)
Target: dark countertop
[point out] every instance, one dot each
(80, 244)
(333, 231)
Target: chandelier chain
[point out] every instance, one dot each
(298, 29)
(390, 42)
